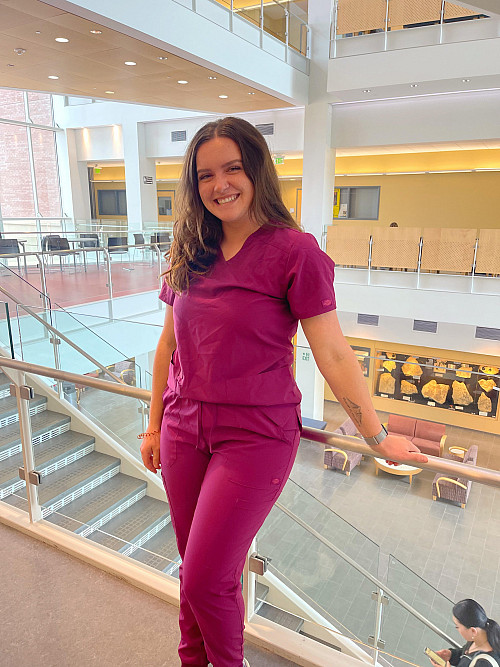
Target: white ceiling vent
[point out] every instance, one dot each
(179, 135)
(266, 129)
(372, 320)
(488, 333)
(425, 325)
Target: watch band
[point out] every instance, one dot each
(375, 440)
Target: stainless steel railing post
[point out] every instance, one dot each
(23, 393)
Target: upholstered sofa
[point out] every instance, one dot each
(429, 437)
(456, 489)
(343, 459)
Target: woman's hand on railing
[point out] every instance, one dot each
(397, 448)
(150, 450)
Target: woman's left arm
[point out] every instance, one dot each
(340, 368)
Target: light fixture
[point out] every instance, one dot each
(162, 58)
(130, 62)
(465, 80)
(96, 32)
(250, 93)
(10, 65)
(53, 76)
(223, 97)
(182, 82)
(62, 39)
(413, 85)
(109, 92)
(367, 90)
(212, 78)
(19, 51)
(38, 32)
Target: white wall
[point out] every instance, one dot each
(458, 117)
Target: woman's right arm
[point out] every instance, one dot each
(150, 446)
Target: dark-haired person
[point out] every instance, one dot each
(482, 636)
(242, 274)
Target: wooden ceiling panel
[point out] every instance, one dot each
(89, 65)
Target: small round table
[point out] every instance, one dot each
(398, 469)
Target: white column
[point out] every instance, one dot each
(318, 177)
(73, 177)
(142, 204)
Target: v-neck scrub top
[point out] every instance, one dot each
(234, 325)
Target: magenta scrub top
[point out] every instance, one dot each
(235, 325)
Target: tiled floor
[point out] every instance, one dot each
(457, 551)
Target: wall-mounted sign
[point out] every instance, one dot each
(279, 159)
(147, 180)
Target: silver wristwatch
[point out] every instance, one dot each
(375, 440)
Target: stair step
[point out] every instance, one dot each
(261, 591)
(69, 483)
(320, 641)
(44, 425)
(160, 551)
(134, 526)
(8, 408)
(101, 505)
(4, 385)
(50, 456)
(283, 618)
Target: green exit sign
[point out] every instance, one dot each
(279, 160)
(97, 170)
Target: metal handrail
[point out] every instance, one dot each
(60, 335)
(455, 468)
(482, 475)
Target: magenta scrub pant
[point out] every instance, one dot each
(223, 467)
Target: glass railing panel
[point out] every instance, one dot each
(297, 34)
(421, 595)
(6, 335)
(249, 11)
(334, 586)
(274, 21)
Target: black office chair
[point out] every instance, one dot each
(59, 245)
(114, 242)
(10, 248)
(89, 240)
(45, 240)
(162, 239)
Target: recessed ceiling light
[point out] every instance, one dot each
(223, 97)
(182, 82)
(38, 32)
(62, 39)
(53, 76)
(212, 78)
(367, 90)
(10, 65)
(162, 58)
(109, 92)
(413, 85)
(465, 80)
(19, 51)
(251, 93)
(96, 32)
(130, 62)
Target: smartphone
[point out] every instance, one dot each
(435, 657)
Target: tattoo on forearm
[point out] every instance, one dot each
(353, 410)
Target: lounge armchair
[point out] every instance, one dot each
(456, 489)
(343, 459)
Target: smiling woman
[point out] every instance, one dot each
(224, 423)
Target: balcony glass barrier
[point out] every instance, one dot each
(371, 27)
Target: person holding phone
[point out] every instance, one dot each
(224, 423)
(482, 636)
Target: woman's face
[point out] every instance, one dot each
(224, 188)
(466, 633)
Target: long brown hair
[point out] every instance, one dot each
(197, 232)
